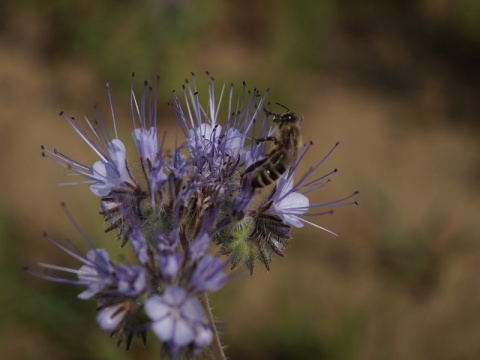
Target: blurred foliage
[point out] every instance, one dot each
(118, 36)
(396, 45)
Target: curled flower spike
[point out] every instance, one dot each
(226, 194)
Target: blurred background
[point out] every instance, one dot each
(395, 82)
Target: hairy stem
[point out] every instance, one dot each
(216, 346)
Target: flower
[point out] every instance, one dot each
(110, 318)
(208, 275)
(177, 319)
(286, 204)
(184, 210)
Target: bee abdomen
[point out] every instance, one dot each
(271, 170)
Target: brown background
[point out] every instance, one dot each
(395, 82)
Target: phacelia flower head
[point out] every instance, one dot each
(226, 194)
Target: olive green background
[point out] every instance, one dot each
(395, 82)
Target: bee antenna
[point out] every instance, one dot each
(267, 111)
(283, 106)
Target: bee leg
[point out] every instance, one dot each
(269, 138)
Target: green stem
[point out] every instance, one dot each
(216, 346)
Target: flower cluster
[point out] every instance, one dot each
(186, 215)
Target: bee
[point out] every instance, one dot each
(287, 141)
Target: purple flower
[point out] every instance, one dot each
(180, 204)
(132, 280)
(98, 273)
(100, 276)
(110, 173)
(204, 139)
(169, 256)
(209, 275)
(286, 204)
(145, 136)
(110, 318)
(116, 288)
(146, 143)
(177, 318)
(139, 243)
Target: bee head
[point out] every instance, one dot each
(285, 118)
